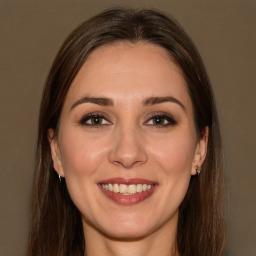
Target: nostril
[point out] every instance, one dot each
(126, 159)
(127, 147)
(127, 165)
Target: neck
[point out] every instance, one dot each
(161, 242)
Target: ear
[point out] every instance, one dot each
(200, 152)
(55, 152)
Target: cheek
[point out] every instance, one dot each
(80, 155)
(81, 159)
(175, 153)
(172, 158)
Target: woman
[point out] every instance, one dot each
(127, 123)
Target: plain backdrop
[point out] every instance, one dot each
(30, 35)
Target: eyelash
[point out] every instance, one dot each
(88, 117)
(162, 117)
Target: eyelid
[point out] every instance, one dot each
(171, 120)
(91, 115)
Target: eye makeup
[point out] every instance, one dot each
(160, 120)
(94, 120)
(156, 120)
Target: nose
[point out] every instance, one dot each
(128, 149)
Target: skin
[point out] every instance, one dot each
(128, 144)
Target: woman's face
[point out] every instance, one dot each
(127, 125)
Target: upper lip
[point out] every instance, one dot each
(127, 181)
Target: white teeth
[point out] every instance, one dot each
(116, 188)
(127, 189)
(139, 188)
(123, 188)
(132, 189)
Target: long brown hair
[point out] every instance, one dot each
(56, 227)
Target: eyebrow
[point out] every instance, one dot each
(158, 100)
(98, 101)
(109, 102)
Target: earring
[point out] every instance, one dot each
(59, 177)
(198, 169)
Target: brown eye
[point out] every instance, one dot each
(94, 120)
(161, 121)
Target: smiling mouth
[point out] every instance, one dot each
(127, 191)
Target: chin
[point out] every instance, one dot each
(122, 233)
(127, 228)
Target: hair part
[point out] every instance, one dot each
(56, 226)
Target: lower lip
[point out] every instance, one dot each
(128, 199)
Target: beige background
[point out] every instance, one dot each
(30, 35)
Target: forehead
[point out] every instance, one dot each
(126, 72)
